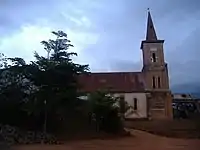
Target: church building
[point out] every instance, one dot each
(147, 91)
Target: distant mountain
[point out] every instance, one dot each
(190, 88)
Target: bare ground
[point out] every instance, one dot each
(168, 128)
(139, 141)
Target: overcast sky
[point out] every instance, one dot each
(106, 33)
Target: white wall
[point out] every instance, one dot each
(141, 111)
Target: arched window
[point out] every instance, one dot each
(154, 82)
(154, 57)
(159, 82)
(135, 103)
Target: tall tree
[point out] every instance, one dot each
(46, 86)
(55, 77)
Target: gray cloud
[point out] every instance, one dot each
(15, 14)
(185, 62)
(176, 21)
(119, 27)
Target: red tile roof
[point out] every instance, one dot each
(114, 81)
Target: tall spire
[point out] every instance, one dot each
(151, 33)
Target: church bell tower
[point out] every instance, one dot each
(155, 72)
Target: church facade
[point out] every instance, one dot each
(147, 91)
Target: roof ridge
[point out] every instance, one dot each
(112, 72)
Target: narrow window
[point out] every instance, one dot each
(135, 104)
(122, 104)
(153, 57)
(154, 82)
(159, 83)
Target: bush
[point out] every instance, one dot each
(105, 112)
(112, 122)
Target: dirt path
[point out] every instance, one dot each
(140, 141)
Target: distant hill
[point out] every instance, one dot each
(190, 88)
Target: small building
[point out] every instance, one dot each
(185, 106)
